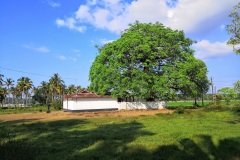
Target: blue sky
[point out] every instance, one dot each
(42, 37)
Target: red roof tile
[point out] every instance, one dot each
(85, 95)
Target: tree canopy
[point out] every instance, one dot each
(237, 86)
(148, 61)
(234, 29)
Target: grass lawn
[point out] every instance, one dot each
(196, 134)
(28, 109)
(185, 104)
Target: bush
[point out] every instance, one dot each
(214, 106)
(218, 99)
(57, 105)
(180, 110)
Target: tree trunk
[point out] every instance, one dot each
(195, 101)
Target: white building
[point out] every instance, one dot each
(88, 101)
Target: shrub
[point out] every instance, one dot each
(57, 105)
(180, 110)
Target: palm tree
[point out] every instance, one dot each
(3, 93)
(71, 89)
(1, 79)
(56, 86)
(24, 85)
(9, 83)
(45, 90)
(79, 89)
(15, 93)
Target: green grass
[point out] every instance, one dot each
(11, 110)
(184, 104)
(196, 134)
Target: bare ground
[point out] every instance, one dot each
(60, 115)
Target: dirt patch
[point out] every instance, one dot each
(59, 115)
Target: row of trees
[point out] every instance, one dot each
(228, 93)
(48, 92)
(20, 91)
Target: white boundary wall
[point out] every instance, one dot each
(141, 105)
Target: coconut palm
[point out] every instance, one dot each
(1, 79)
(24, 84)
(79, 89)
(3, 93)
(43, 91)
(71, 89)
(16, 93)
(56, 86)
(9, 83)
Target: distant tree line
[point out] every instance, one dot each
(229, 93)
(24, 93)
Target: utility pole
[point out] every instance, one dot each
(212, 89)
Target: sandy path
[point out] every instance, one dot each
(57, 115)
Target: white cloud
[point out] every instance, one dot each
(41, 49)
(205, 49)
(69, 58)
(62, 57)
(222, 27)
(53, 3)
(76, 50)
(73, 59)
(70, 23)
(115, 15)
(105, 41)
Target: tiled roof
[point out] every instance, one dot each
(85, 94)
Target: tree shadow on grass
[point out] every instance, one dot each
(74, 139)
(68, 139)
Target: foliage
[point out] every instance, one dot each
(228, 94)
(56, 87)
(57, 105)
(3, 92)
(24, 84)
(237, 86)
(148, 61)
(179, 110)
(71, 89)
(219, 97)
(41, 93)
(201, 135)
(234, 29)
(1, 79)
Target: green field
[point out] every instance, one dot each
(34, 109)
(196, 134)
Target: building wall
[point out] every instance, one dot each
(141, 105)
(108, 103)
(90, 103)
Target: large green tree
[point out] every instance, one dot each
(148, 61)
(234, 29)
